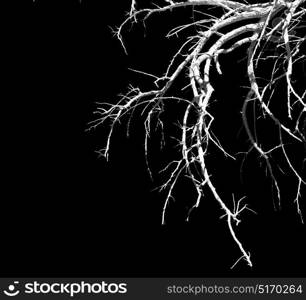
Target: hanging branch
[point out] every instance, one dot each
(197, 136)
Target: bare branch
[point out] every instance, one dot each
(241, 24)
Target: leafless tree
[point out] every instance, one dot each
(257, 26)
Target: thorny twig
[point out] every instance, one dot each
(197, 136)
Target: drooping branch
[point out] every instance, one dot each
(240, 24)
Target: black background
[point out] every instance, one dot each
(66, 212)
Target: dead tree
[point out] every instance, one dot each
(254, 25)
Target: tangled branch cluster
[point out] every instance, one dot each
(254, 27)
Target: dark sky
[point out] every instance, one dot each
(66, 212)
